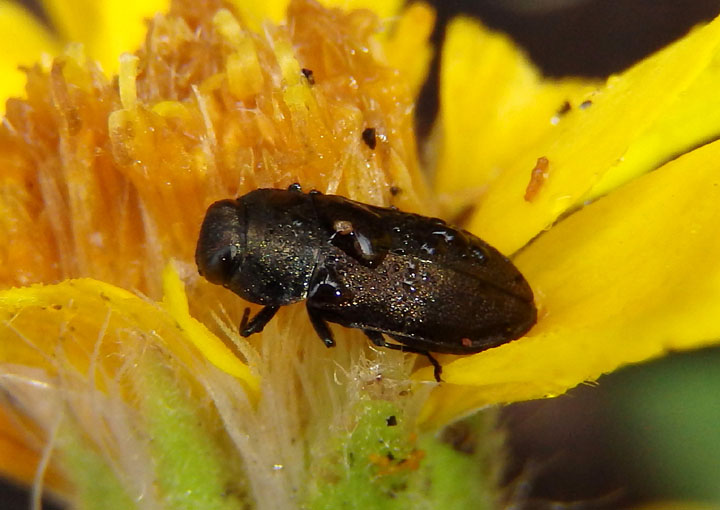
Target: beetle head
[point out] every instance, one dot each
(221, 243)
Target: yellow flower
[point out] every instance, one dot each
(95, 24)
(624, 279)
(143, 388)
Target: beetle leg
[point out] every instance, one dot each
(244, 320)
(378, 339)
(321, 327)
(257, 323)
(375, 337)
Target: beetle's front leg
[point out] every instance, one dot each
(257, 323)
(321, 327)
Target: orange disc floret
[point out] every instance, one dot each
(110, 178)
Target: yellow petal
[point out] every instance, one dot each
(24, 39)
(20, 451)
(588, 142)
(78, 322)
(630, 277)
(200, 336)
(253, 14)
(106, 28)
(384, 9)
(408, 46)
(493, 104)
(691, 119)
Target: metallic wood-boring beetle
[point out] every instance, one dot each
(427, 285)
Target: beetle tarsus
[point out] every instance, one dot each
(321, 328)
(437, 367)
(378, 339)
(244, 320)
(375, 337)
(257, 323)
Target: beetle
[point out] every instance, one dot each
(429, 286)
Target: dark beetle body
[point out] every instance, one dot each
(427, 285)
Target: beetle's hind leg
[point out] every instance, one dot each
(257, 323)
(378, 339)
(321, 327)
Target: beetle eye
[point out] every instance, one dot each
(223, 264)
